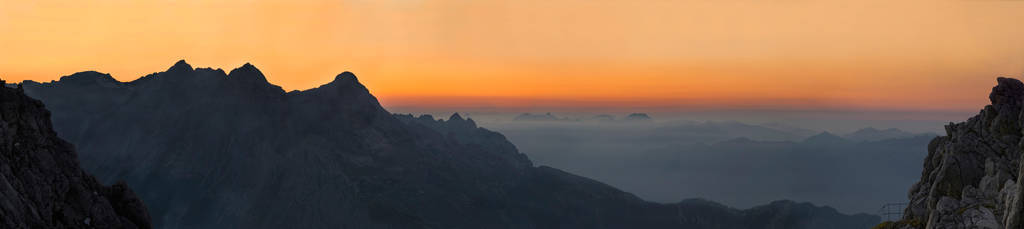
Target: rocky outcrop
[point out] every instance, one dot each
(206, 149)
(971, 175)
(41, 184)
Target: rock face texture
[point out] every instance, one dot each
(209, 149)
(971, 175)
(41, 184)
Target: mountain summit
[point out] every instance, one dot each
(180, 67)
(206, 149)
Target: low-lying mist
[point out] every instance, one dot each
(851, 165)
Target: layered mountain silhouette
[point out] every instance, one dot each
(714, 131)
(209, 149)
(826, 139)
(850, 176)
(971, 177)
(41, 184)
(540, 117)
(872, 134)
(548, 117)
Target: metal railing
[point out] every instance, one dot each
(892, 211)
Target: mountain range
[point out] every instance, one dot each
(548, 117)
(208, 149)
(721, 160)
(872, 134)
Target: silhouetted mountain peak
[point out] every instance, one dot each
(460, 122)
(344, 85)
(346, 77)
(825, 134)
(825, 137)
(455, 117)
(637, 117)
(247, 73)
(180, 67)
(249, 76)
(88, 77)
(426, 117)
(345, 80)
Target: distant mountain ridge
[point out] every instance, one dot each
(209, 149)
(549, 117)
(540, 117)
(872, 134)
(826, 138)
(825, 169)
(730, 129)
(638, 117)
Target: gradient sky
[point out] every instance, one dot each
(780, 54)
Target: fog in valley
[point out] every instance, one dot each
(846, 160)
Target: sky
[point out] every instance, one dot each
(613, 54)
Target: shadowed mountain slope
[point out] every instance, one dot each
(41, 184)
(207, 149)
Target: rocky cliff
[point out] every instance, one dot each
(971, 175)
(41, 184)
(209, 149)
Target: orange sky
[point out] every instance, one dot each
(519, 53)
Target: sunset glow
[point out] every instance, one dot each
(607, 53)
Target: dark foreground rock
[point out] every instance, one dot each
(41, 184)
(209, 149)
(971, 175)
